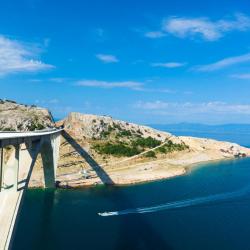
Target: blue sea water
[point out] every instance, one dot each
(68, 219)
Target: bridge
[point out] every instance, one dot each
(18, 154)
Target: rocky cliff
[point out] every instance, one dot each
(20, 117)
(100, 127)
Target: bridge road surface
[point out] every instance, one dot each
(10, 200)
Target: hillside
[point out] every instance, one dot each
(100, 149)
(20, 117)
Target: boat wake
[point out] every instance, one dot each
(182, 203)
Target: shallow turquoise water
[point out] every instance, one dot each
(67, 219)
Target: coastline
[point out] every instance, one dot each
(144, 175)
(82, 165)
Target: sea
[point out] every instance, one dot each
(208, 208)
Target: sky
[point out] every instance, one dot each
(149, 62)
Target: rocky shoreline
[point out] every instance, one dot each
(143, 175)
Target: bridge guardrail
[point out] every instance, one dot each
(34, 131)
(29, 134)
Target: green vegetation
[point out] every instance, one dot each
(171, 147)
(104, 134)
(162, 150)
(110, 128)
(120, 142)
(35, 126)
(116, 149)
(6, 129)
(150, 154)
(148, 142)
(118, 131)
(166, 148)
(119, 148)
(117, 126)
(124, 133)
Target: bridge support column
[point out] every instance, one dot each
(16, 166)
(49, 153)
(9, 171)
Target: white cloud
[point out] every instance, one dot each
(183, 27)
(138, 86)
(224, 63)
(104, 84)
(15, 57)
(107, 58)
(187, 108)
(53, 80)
(241, 76)
(155, 34)
(202, 27)
(168, 65)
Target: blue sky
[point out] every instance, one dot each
(146, 62)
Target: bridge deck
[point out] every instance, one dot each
(10, 199)
(8, 210)
(12, 135)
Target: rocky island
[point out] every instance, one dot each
(101, 150)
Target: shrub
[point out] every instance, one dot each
(150, 154)
(148, 142)
(170, 147)
(35, 126)
(139, 132)
(105, 133)
(110, 128)
(102, 122)
(7, 129)
(116, 149)
(162, 150)
(117, 126)
(124, 133)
